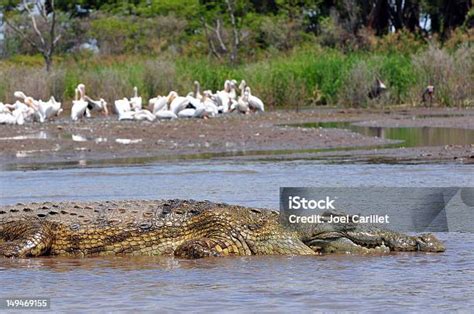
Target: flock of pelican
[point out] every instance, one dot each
(194, 105)
(26, 109)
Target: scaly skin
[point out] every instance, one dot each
(187, 229)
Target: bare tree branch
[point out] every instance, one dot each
(47, 40)
(219, 36)
(235, 31)
(33, 22)
(22, 34)
(210, 42)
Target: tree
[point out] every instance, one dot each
(216, 13)
(45, 39)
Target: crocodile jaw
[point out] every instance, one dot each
(335, 242)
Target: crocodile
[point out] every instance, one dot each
(184, 229)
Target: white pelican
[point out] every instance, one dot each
(232, 91)
(209, 104)
(242, 104)
(197, 90)
(179, 103)
(11, 117)
(96, 105)
(157, 104)
(123, 109)
(141, 114)
(166, 114)
(49, 109)
(79, 105)
(30, 102)
(255, 103)
(27, 112)
(226, 97)
(161, 106)
(14, 117)
(161, 102)
(242, 86)
(136, 101)
(187, 113)
(4, 108)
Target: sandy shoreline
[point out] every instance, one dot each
(235, 136)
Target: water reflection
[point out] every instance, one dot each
(410, 136)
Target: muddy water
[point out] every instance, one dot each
(414, 282)
(408, 136)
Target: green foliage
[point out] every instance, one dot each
(398, 74)
(127, 34)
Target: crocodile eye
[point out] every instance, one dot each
(74, 227)
(145, 226)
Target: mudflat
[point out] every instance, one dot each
(267, 135)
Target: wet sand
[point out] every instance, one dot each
(234, 136)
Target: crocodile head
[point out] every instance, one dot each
(357, 239)
(365, 242)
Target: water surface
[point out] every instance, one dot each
(408, 136)
(413, 282)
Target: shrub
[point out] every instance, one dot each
(35, 82)
(355, 89)
(451, 75)
(159, 77)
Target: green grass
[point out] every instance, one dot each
(283, 81)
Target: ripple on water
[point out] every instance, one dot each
(413, 281)
(416, 282)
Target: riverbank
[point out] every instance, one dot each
(263, 136)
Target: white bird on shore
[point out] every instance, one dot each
(79, 105)
(157, 103)
(166, 114)
(242, 104)
(197, 90)
(12, 114)
(161, 102)
(144, 114)
(178, 104)
(29, 101)
(122, 108)
(223, 97)
(136, 101)
(49, 109)
(139, 115)
(14, 117)
(4, 108)
(27, 112)
(255, 103)
(161, 106)
(209, 104)
(187, 113)
(97, 105)
(232, 89)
